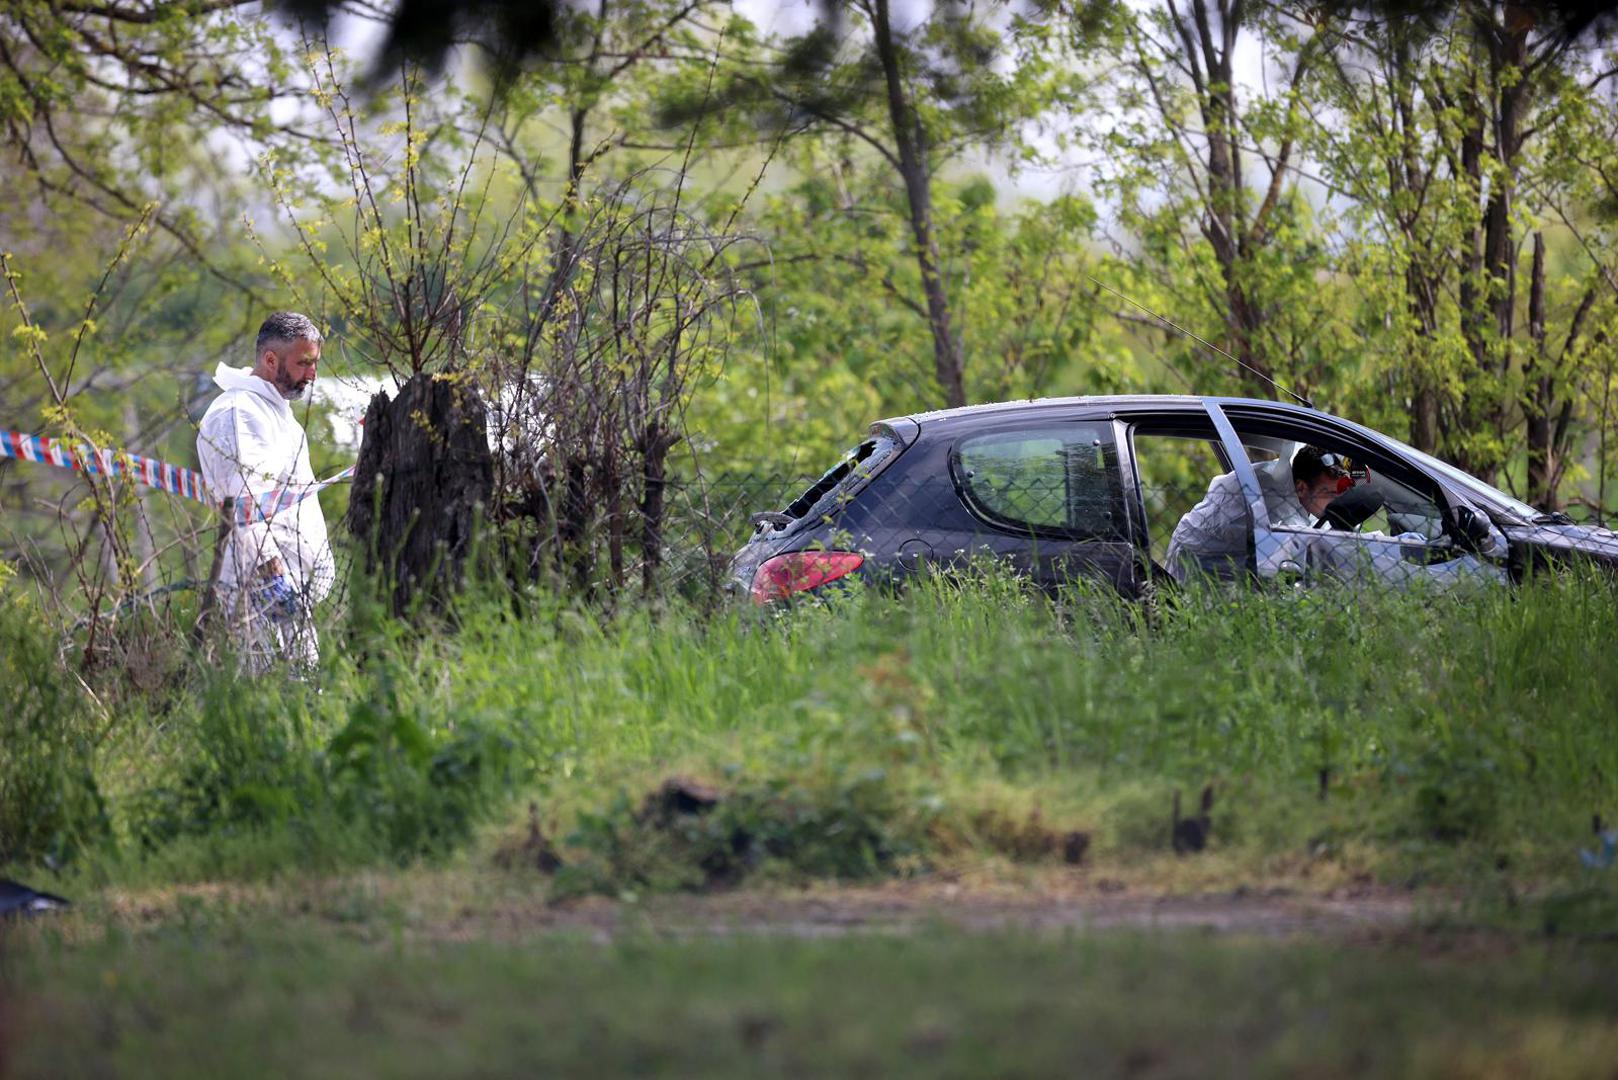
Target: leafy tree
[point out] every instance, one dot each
(1205, 171)
(1449, 136)
(92, 94)
(1576, 192)
(840, 325)
(910, 100)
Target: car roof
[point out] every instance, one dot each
(940, 423)
(1115, 403)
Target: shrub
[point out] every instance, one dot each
(829, 823)
(395, 779)
(245, 760)
(421, 786)
(50, 803)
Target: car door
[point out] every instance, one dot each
(1046, 497)
(1409, 541)
(1185, 486)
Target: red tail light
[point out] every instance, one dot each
(799, 571)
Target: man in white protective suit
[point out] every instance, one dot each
(250, 444)
(1212, 537)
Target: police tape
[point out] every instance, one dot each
(186, 483)
(266, 505)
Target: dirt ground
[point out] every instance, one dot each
(907, 907)
(455, 905)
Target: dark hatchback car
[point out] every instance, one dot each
(1096, 487)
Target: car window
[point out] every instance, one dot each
(1405, 513)
(1059, 480)
(839, 481)
(1470, 484)
(1174, 473)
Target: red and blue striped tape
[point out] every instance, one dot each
(187, 483)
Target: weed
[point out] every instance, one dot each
(871, 736)
(51, 805)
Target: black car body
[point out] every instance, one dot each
(1096, 487)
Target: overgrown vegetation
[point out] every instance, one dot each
(964, 723)
(50, 798)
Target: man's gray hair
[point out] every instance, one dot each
(283, 328)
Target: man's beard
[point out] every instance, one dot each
(289, 390)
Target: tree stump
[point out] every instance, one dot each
(423, 476)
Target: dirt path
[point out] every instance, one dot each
(453, 905)
(909, 908)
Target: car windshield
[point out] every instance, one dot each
(1470, 484)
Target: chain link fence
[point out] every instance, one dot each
(1053, 516)
(133, 584)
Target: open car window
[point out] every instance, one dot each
(1173, 472)
(1405, 513)
(1489, 496)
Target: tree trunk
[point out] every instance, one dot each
(1425, 422)
(612, 491)
(1489, 299)
(911, 141)
(651, 508)
(1537, 401)
(1472, 289)
(1422, 281)
(1225, 223)
(423, 477)
(1547, 408)
(1421, 292)
(573, 550)
(1509, 59)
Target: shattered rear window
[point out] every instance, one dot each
(840, 480)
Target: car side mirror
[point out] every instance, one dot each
(1471, 528)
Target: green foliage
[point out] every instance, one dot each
(377, 769)
(1446, 136)
(1226, 237)
(422, 786)
(51, 804)
(847, 343)
(239, 762)
(884, 735)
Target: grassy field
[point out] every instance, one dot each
(206, 997)
(1451, 750)
(1424, 739)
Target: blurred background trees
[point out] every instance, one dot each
(1407, 215)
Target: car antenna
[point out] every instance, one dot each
(1205, 343)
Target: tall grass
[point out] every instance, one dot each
(50, 798)
(1409, 723)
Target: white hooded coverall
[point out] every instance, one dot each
(249, 444)
(1212, 537)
